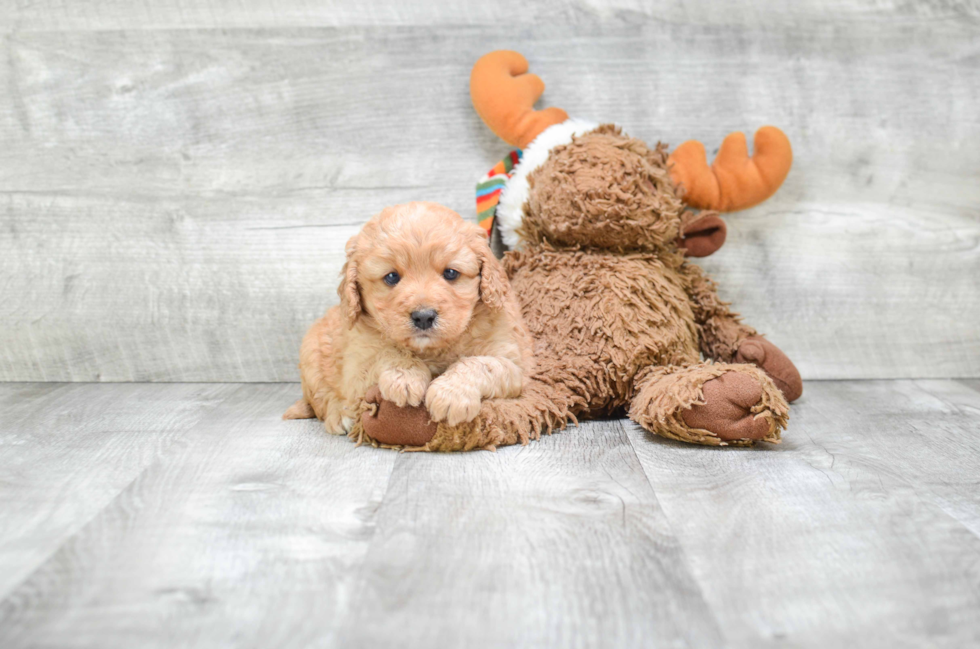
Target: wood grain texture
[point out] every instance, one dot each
(191, 515)
(560, 544)
(859, 528)
(69, 450)
(249, 534)
(47, 15)
(174, 202)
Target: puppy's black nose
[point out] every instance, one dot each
(424, 318)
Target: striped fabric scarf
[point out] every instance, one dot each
(489, 187)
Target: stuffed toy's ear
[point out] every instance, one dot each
(703, 235)
(734, 181)
(349, 291)
(503, 94)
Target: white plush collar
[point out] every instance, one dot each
(510, 210)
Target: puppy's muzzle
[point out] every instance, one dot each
(424, 319)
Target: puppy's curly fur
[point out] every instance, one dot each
(408, 259)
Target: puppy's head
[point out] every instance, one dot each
(418, 271)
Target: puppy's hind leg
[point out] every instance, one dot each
(319, 374)
(336, 418)
(299, 410)
(331, 411)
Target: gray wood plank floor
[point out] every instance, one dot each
(191, 515)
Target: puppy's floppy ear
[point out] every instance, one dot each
(349, 291)
(494, 285)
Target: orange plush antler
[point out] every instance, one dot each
(504, 95)
(734, 181)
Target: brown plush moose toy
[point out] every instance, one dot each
(598, 231)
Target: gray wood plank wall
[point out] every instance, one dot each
(177, 182)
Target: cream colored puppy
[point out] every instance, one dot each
(425, 312)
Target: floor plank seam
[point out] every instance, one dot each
(83, 526)
(623, 423)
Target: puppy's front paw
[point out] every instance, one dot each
(452, 403)
(403, 387)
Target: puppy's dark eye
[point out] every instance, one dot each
(450, 274)
(391, 279)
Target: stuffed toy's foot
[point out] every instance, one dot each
(542, 407)
(762, 353)
(716, 404)
(727, 408)
(392, 425)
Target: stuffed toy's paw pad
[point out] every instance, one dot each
(727, 408)
(771, 360)
(397, 425)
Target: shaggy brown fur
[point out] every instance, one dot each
(604, 287)
(619, 318)
(603, 191)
